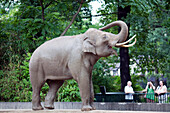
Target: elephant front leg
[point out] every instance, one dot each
(84, 86)
(92, 96)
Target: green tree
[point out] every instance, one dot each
(150, 21)
(24, 25)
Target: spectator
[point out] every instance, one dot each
(129, 92)
(150, 88)
(161, 91)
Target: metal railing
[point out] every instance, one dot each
(137, 97)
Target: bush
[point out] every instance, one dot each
(15, 85)
(69, 92)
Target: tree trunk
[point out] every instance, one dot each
(124, 54)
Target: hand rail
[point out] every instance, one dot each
(137, 97)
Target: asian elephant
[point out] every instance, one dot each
(72, 57)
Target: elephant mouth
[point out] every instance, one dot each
(112, 51)
(110, 47)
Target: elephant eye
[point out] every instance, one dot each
(104, 37)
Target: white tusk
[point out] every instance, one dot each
(120, 44)
(129, 44)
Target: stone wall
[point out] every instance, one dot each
(98, 105)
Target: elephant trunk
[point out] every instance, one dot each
(122, 36)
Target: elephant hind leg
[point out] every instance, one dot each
(54, 85)
(36, 103)
(37, 81)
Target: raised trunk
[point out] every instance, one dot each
(121, 37)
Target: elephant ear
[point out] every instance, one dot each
(88, 46)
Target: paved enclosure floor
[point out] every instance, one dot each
(70, 111)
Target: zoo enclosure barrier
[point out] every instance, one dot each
(137, 97)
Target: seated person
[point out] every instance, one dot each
(129, 92)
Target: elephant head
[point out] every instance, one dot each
(100, 43)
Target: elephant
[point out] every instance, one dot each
(73, 57)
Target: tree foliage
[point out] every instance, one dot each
(69, 92)
(24, 25)
(150, 21)
(102, 77)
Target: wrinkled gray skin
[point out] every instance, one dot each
(71, 57)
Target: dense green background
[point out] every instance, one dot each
(24, 26)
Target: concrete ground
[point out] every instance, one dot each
(76, 106)
(71, 111)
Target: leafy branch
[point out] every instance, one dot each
(81, 3)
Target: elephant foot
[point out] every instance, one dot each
(37, 108)
(93, 108)
(86, 108)
(49, 106)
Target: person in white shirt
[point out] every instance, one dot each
(129, 92)
(161, 91)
